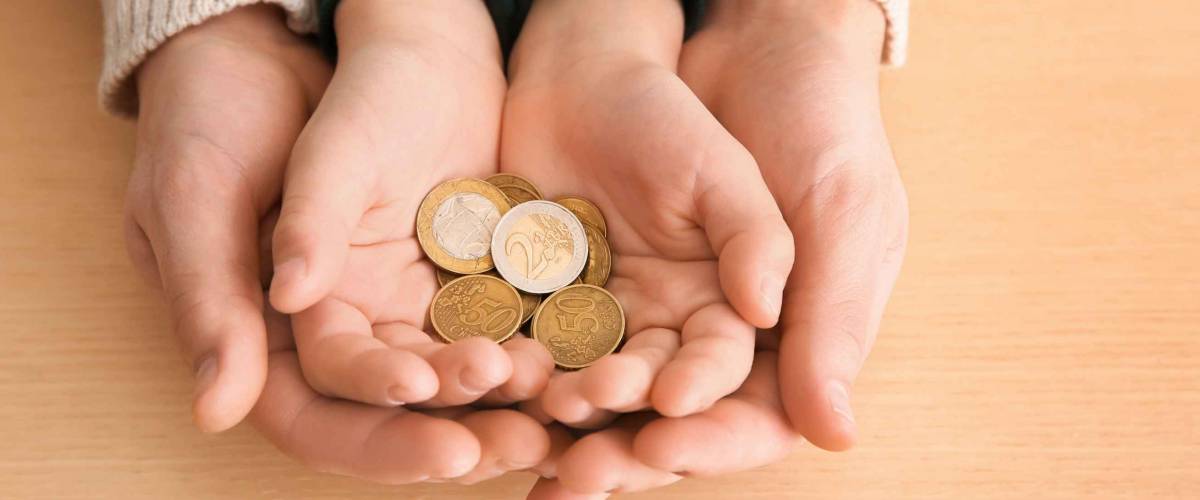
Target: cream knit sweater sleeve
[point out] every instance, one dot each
(134, 28)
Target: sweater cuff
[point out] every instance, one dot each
(135, 28)
(895, 41)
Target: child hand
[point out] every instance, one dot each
(220, 106)
(595, 109)
(415, 100)
(800, 90)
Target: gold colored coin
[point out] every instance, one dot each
(444, 276)
(455, 223)
(587, 212)
(599, 263)
(579, 325)
(476, 306)
(517, 188)
(529, 305)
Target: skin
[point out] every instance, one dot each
(415, 101)
(798, 87)
(221, 106)
(701, 252)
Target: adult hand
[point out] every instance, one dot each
(221, 105)
(701, 251)
(797, 84)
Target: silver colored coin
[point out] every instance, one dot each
(463, 225)
(539, 247)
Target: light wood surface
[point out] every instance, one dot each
(1043, 341)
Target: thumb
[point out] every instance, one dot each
(835, 300)
(324, 197)
(747, 232)
(208, 264)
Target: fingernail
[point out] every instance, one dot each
(839, 400)
(771, 293)
(206, 374)
(475, 381)
(397, 395)
(290, 271)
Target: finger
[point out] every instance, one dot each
(324, 198)
(552, 489)
(622, 381)
(564, 401)
(387, 445)
(743, 431)
(466, 369)
(560, 441)
(509, 440)
(834, 302)
(604, 462)
(206, 246)
(532, 367)
(341, 358)
(747, 232)
(715, 355)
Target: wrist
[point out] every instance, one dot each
(559, 34)
(855, 28)
(447, 28)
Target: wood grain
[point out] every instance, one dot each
(1043, 342)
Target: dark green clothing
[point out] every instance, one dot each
(507, 15)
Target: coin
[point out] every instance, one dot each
(579, 324)
(517, 188)
(599, 261)
(529, 301)
(455, 224)
(476, 306)
(586, 211)
(529, 305)
(444, 276)
(539, 247)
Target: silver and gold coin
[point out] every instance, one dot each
(579, 325)
(599, 261)
(476, 306)
(455, 223)
(539, 247)
(518, 189)
(587, 212)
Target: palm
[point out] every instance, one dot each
(626, 139)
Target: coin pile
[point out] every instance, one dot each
(507, 258)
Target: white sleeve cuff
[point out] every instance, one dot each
(134, 28)
(895, 41)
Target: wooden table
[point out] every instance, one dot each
(1043, 341)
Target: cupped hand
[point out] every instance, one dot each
(220, 106)
(742, 431)
(387, 445)
(701, 252)
(798, 86)
(415, 100)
